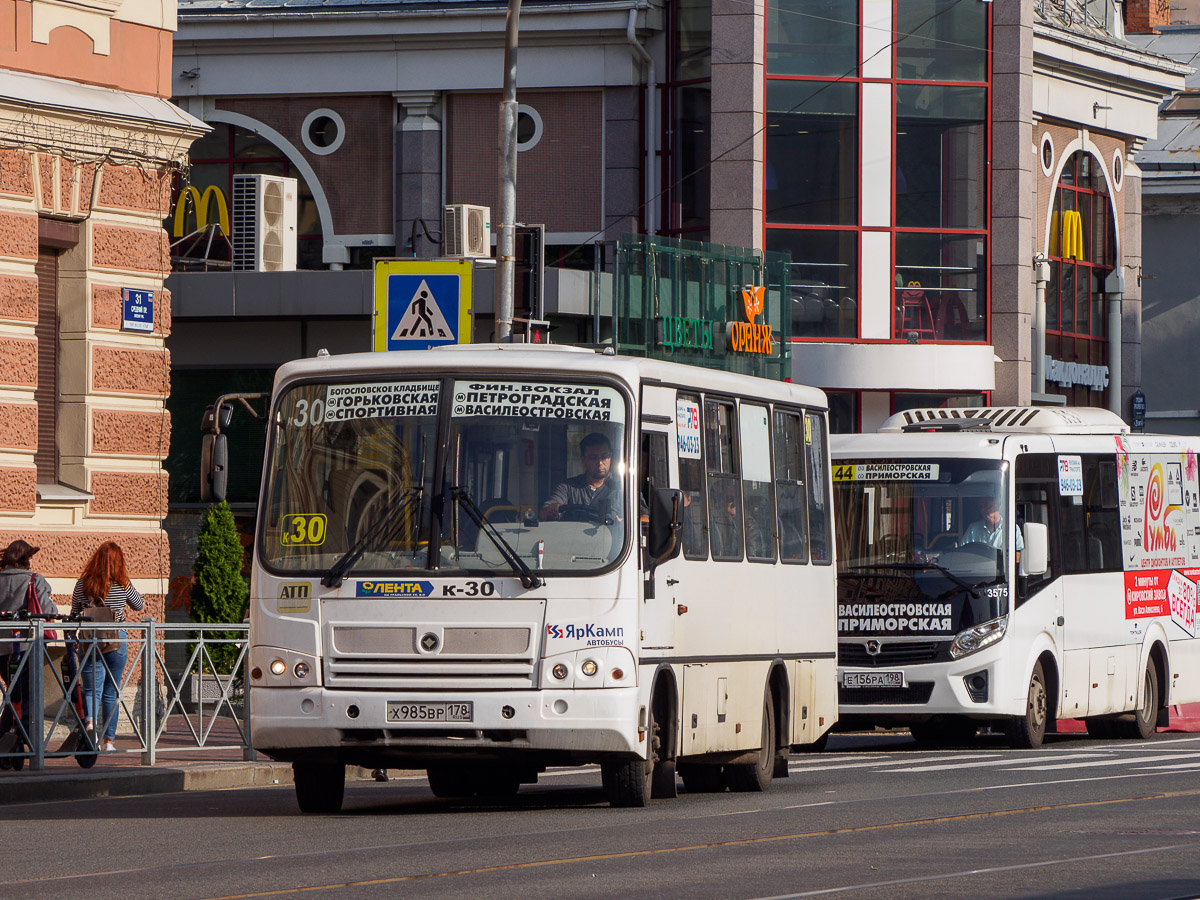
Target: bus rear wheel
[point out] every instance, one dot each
(1026, 732)
(756, 776)
(1145, 716)
(320, 787)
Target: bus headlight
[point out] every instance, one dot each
(301, 670)
(278, 667)
(589, 667)
(559, 671)
(975, 639)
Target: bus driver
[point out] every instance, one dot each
(593, 487)
(989, 527)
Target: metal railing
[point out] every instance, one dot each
(170, 696)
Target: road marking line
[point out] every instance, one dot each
(990, 871)
(1104, 762)
(1003, 761)
(865, 765)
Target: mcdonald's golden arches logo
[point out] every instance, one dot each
(1071, 242)
(200, 203)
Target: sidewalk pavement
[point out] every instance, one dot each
(179, 766)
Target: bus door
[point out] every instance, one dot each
(658, 469)
(1040, 600)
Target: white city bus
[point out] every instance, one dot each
(417, 603)
(1014, 566)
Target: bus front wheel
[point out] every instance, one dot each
(320, 787)
(632, 782)
(1026, 732)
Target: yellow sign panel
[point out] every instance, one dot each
(422, 303)
(302, 528)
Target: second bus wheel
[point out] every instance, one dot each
(756, 776)
(320, 787)
(1145, 716)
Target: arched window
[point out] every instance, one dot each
(1083, 252)
(226, 151)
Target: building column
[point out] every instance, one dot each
(1131, 302)
(1011, 286)
(418, 173)
(738, 108)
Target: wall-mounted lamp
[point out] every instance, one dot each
(1097, 106)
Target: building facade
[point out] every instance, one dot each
(953, 180)
(88, 146)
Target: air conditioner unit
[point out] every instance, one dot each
(466, 230)
(264, 223)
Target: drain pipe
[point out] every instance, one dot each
(651, 185)
(1041, 275)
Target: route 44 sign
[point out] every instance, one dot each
(422, 303)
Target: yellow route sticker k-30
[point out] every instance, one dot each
(306, 529)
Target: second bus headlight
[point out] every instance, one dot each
(976, 638)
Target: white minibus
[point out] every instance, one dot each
(486, 560)
(1014, 566)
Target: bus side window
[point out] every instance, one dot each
(1037, 482)
(1103, 516)
(653, 468)
(691, 482)
(755, 424)
(818, 488)
(789, 487)
(724, 486)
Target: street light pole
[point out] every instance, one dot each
(506, 243)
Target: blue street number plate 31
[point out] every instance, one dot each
(398, 711)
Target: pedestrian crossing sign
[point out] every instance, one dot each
(422, 303)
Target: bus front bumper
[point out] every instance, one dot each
(975, 686)
(601, 722)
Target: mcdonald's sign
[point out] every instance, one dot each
(1071, 242)
(200, 203)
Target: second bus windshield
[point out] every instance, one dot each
(948, 515)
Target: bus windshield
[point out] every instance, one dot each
(533, 469)
(931, 528)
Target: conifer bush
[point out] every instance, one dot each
(220, 595)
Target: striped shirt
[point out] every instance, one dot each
(119, 595)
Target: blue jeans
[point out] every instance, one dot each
(101, 685)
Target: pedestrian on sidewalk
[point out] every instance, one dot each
(15, 578)
(105, 581)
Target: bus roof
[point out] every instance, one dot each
(1008, 420)
(547, 359)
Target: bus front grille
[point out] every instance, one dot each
(917, 692)
(892, 653)
(391, 673)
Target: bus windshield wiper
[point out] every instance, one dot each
(518, 565)
(921, 567)
(392, 514)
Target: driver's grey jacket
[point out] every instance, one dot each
(576, 492)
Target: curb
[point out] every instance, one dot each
(40, 787)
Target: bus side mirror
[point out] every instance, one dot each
(1035, 558)
(666, 511)
(214, 465)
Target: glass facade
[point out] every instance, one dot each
(1083, 253)
(687, 122)
(862, 136)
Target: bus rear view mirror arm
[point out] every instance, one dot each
(666, 506)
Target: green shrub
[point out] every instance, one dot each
(220, 594)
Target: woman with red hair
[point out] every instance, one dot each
(105, 582)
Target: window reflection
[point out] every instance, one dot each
(690, 157)
(941, 156)
(941, 288)
(812, 37)
(812, 153)
(941, 40)
(824, 280)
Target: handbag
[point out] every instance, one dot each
(106, 640)
(34, 606)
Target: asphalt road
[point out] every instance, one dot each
(875, 816)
